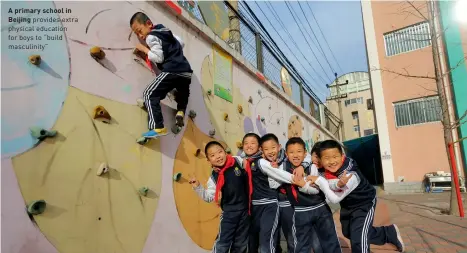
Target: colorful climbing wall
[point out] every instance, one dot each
(87, 212)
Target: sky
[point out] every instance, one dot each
(341, 24)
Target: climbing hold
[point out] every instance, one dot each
(103, 168)
(36, 207)
(240, 109)
(143, 191)
(35, 59)
(139, 53)
(228, 150)
(176, 129)
(259, 117)
(283, 133)
(212, 132)
(239, 145)
(101, 113)
(269, 107)
(259, 92)
(177, 177)
(97, 53)
(140, 103)
(250, 100)
(192, 114)
(278, 121)
(262, 119)
(197, 152)
(209, 92)
(142, 140)
(226, 116)
(40, 133)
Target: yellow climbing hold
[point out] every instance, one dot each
(97, 53)
(35, 59)
(226, 116)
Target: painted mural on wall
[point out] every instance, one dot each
(222, 74)
(113, 193)
(285, 81)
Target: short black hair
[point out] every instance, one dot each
(295, 140)
(315, 148)
(251, 135)
(268, 137)
(210, 144)
(140, 18)
(329, 144)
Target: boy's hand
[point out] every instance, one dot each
(275, 165)
(142, 48)
(299, 181)
(311, 179)
(344, 179)
(299, 171)
(193, 181)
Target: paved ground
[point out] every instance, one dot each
(423, 224)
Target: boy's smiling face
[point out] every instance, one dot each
(216, 156)
(271, 150)
(250, 146)
(296, 154)
(141, 30)
(331, 159)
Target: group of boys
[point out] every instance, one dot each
(269, 188)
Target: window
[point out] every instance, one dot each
(352, 101)
(407, 39)
(417, 111)
(356, 123)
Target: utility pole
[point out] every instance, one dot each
(338, 98)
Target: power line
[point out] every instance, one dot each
(291, 13)
(324, 37)
(319, 44)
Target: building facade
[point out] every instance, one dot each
(356, 101)
(406, 102)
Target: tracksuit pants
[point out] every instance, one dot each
(285, 224)
(156, 91)
(233, 232)
(320, 219)
(263, 230)
(357, 226)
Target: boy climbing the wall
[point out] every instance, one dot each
(232, 184)
(166, 51)
(342, 182)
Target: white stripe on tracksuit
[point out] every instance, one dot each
(147, 94)
(366, 225)
(214, 249)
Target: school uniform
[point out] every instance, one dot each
(234, 220)
(311, 212)
(358, 202)
(166, 51)
(265, 205)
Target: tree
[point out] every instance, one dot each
(427, 11)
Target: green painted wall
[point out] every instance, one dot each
(455, 53)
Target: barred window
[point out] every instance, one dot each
(407, 39)
(417, 111)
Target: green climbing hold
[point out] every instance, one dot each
(143, 191)
(40, 133)
(177, 177)
(36, 207)
(209, 92)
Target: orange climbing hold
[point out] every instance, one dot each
(97, 53)
(239, 144)
(35, 59)
(240, 109)
(197, 152)
(101, 113)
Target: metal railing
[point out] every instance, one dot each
(244, 38)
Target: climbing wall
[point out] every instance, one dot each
(79, 181)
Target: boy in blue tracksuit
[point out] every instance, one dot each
(230, 181)
(166, 51)
(357, 198)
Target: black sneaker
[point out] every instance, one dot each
(398, 243)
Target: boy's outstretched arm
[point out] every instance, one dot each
(155, 52)
(205, 194)
(336, 197)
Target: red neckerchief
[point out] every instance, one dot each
(250, 182)
(230, 161)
